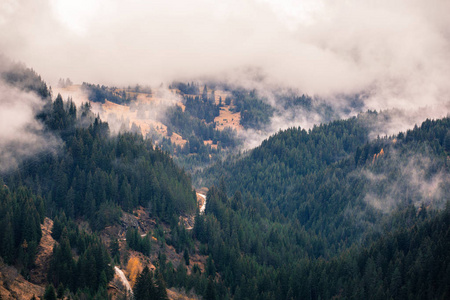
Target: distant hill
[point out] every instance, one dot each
(324, 213)
(92, 179)
(327, 213)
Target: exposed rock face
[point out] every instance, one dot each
(14, 286)
(45, 251)
(129, 220)
(175, 294)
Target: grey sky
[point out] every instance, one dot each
(397, 51)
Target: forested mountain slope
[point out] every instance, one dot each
(324, 213)
(354, 195)
(92, 176)
(294, 165)
(269, 260)
(93, 168)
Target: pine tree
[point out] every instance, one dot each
(213, 97)
(161, 292)
(210, 267)
(205, 94)
(69, 203)
(50, 293)
(144, 288)
(186, 257)
(7, 246)
(115, 250)
(447, 141)
(60, 291)
(210, 290)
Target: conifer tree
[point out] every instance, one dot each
(50, 293)
(144, 288)
(186, 257)
(205, 94)
(210, 290)
(161, 292)
(60, 291)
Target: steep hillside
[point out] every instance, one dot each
(15, 286)
(84, 186)
(324, 213)
(286, 163)
(44, 254)
(312, 201)
(283, 158)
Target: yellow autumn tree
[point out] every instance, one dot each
(134, 267)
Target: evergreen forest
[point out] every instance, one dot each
(323, 213)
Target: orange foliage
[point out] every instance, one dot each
(134, 267)
(376, 156)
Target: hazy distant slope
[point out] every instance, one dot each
(92, 176)
(287, 155)
(280, 162)
(335, 182)
(345, 222)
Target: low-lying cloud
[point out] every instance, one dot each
(410, 178)
(397, 51)
(394, 52)
(21, 136)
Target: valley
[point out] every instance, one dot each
(147, 110)
(269, 150)
(300, 205)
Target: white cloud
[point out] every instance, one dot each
(21, 135)
(396, 51)
(416, 179)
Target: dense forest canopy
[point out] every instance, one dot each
(93, 177)
(327, 213)
(309, 214)
(97, 93)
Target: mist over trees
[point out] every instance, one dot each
(94, 177)
(97, 93)
(292, 218)
(320, 213)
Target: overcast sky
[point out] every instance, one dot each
(396, 51)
